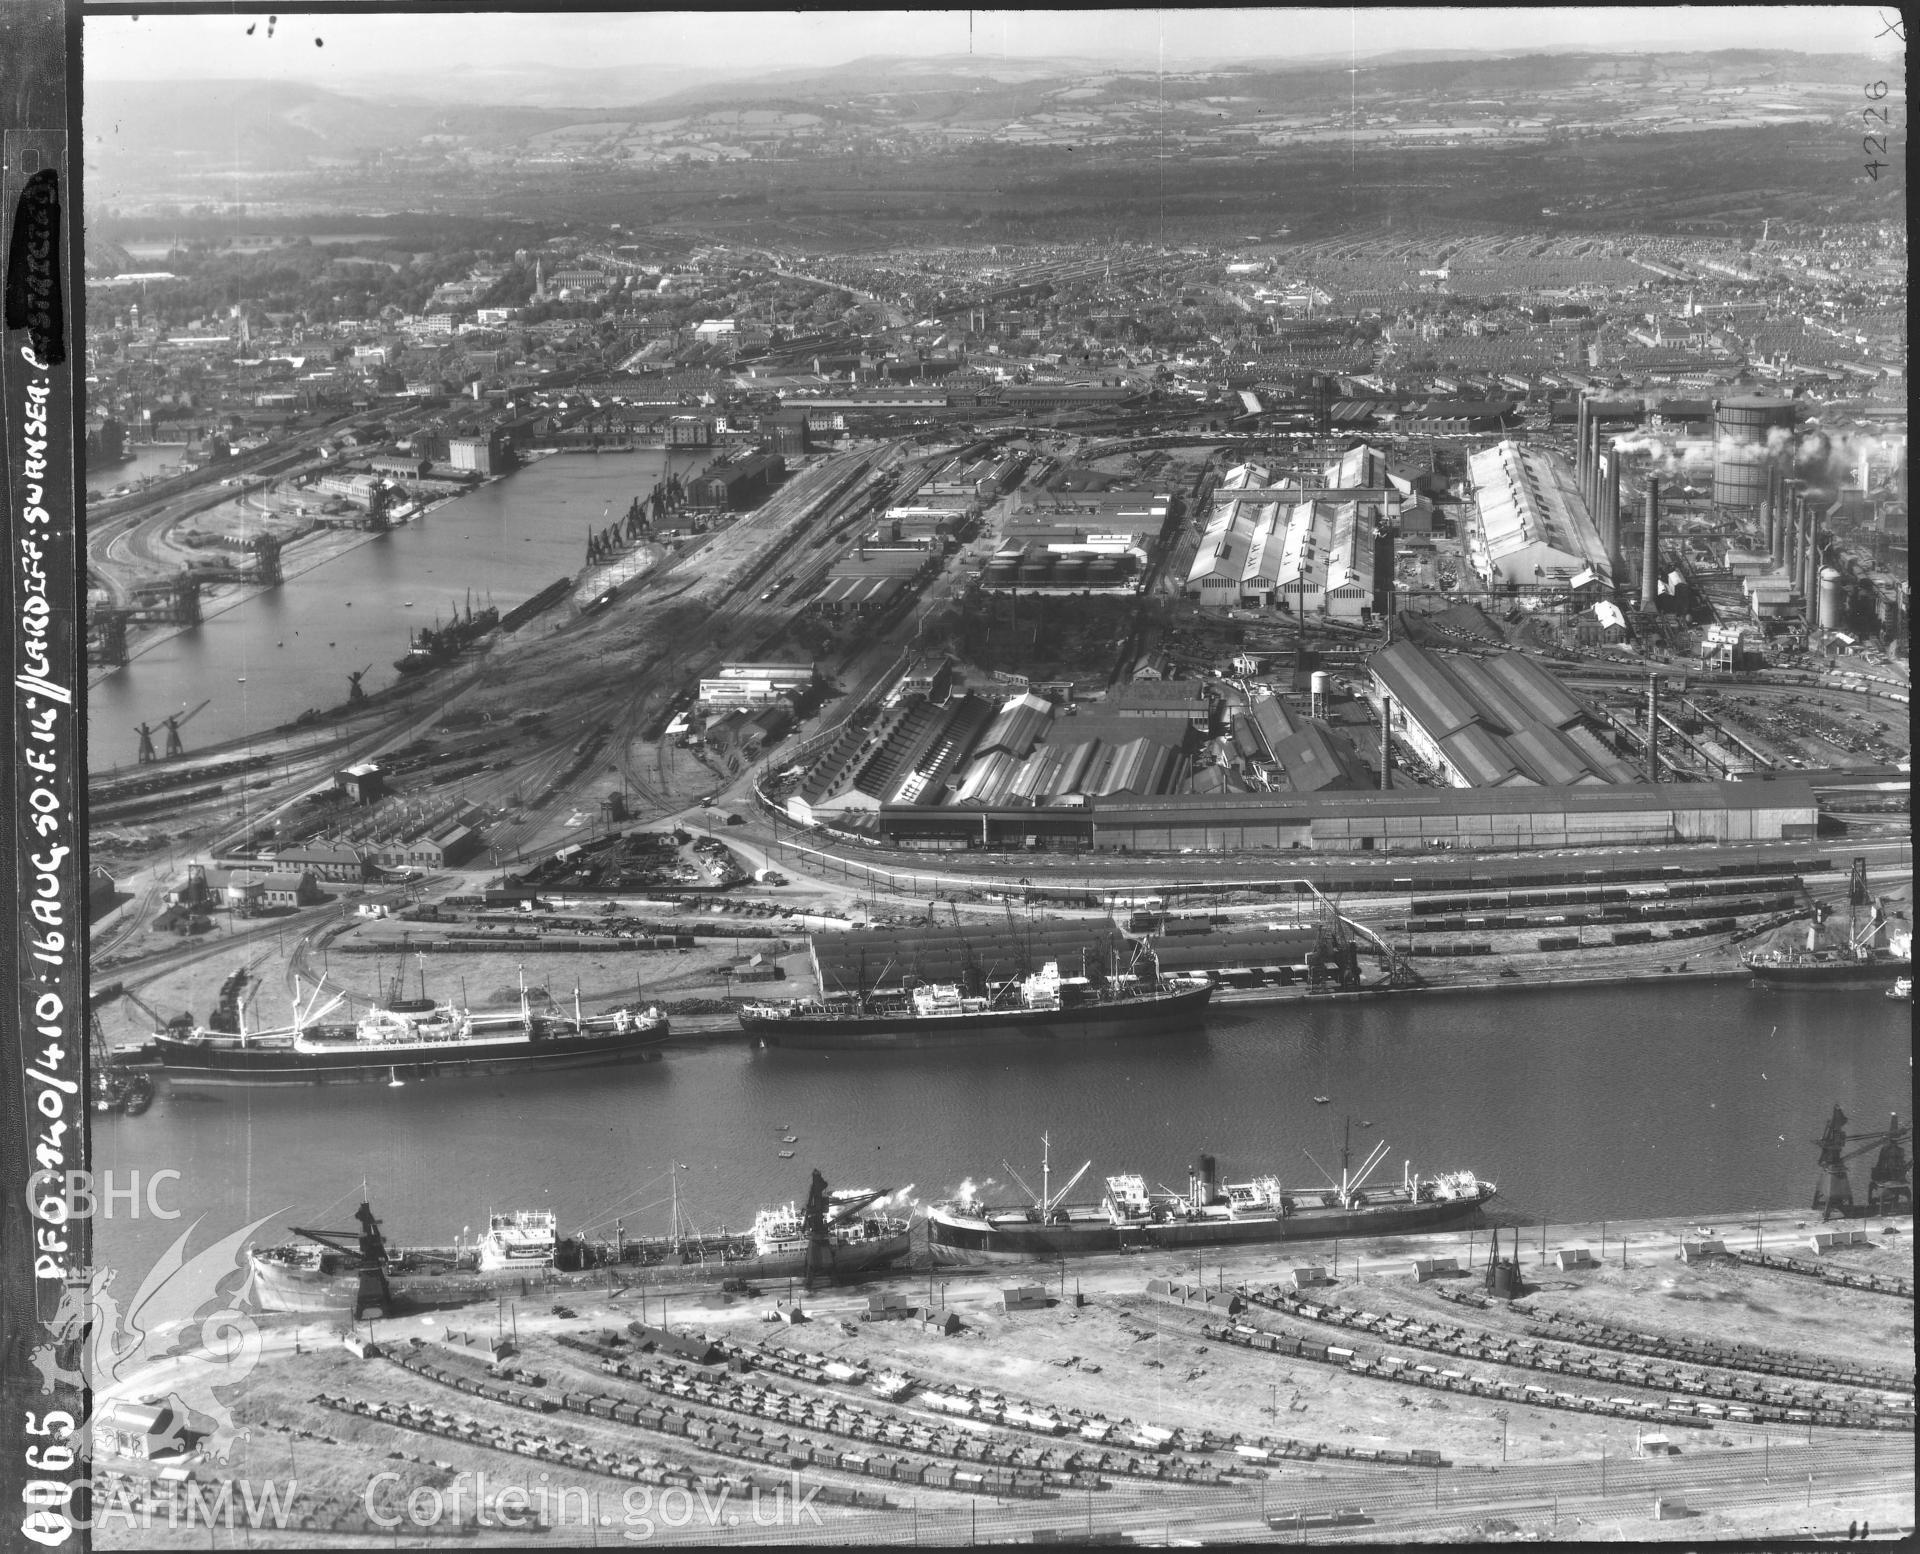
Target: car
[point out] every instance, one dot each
(736, 820)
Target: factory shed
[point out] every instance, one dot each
(1314, 758)
(1335, 820)
(1484, 722)
(1021, 724)
(1474, 754)
(858, 595)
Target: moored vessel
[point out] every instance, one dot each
(1863, 960)
(1132, 1216)
(1040, 1006)
(385, 1045)
(836, 1235)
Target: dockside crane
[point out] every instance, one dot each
(118, 1086)
(173, 724)
(366, 1249)
(1889, 1189)
(355, 695)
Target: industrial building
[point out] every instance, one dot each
(971, 752)
(1531, 529)
(739, 484)
(1314, 548)
(755, 685)
(1497, 819)
(1076, 541)
(868, 579)
(1267, 548)
(1493, 722)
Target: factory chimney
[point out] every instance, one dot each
(1650, 549)
(1777, 496)
(1653, 728)
(1610, 505)
(1810, 558)
(1582, 469)
(1386, 742)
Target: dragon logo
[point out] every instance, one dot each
(162, 1347)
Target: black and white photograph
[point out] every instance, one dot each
(1118, 777)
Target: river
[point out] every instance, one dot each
(270, 657)
(1699, 1099)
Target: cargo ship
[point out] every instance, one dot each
(1039, 1007)
(393, 1046)
(1133, 1217)
(835, 1236)
(435, 645)
(1859, 962)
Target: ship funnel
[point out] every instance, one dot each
(1208, 1174)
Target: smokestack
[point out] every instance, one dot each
(1777, 492)
(1593, 466)
(1386, 742)
(1610, 505)
(1650, 551)
(1581, 452)
(1653, 728)
(1809, 556)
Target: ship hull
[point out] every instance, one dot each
(960, 1239)
(279, 1287)
(195, 1064)
(1829, 973)
(1164, 1013)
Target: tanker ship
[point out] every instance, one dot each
(1210, 1213)
(1038, 1007)
(393, 1046)
(835, 1236)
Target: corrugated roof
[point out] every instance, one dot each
(1315, 759)
(1481, 758)
(1548, 757)
(1784, 793)
(1500, 711)
(1021, 722)
(1545, 699)
(989, 781)
(1420, 683)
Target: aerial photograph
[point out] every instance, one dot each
(1198, 830)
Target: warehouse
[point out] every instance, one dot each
(1531, 529)
(1482, 723)
(1402, 820)
(742, 484)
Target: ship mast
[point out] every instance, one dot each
(1046, 1175)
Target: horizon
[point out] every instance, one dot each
(354, 51)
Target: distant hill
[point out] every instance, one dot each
(276, 126)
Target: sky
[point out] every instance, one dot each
(159, 46)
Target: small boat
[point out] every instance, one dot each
(1902, 989)
(786, 1154)
(1323, 1100)
(408, 605)
(239, 679)
(791, 1138)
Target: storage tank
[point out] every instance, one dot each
(1830, 606)
(1740, 461)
